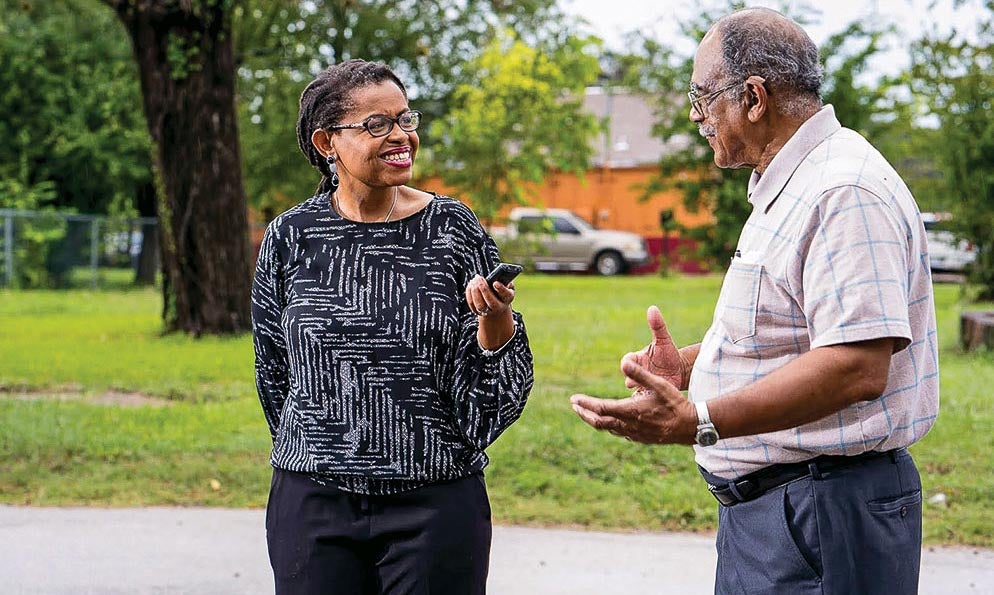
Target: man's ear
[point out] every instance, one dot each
(756, 95)
(321, 140)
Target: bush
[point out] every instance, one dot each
(36, 253)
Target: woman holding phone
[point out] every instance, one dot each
(384, 362)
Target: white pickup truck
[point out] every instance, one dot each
(560, 240)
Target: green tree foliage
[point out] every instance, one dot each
(517, 116)
(957, 77)
(70, 112)
(70, 108)
(860, 106)
(881, 111)
(662, 73)
(282, 44)
(70, 115)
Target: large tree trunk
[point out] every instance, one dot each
(185, 58)
(149, 259)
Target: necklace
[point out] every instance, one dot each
(396, 194)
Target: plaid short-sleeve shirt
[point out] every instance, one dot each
(833, 252)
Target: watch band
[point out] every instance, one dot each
(706, 435)
(703, 415)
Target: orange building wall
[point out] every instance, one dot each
(607, 198)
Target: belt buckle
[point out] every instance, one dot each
(724, 496)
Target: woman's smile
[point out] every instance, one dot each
(399, 157)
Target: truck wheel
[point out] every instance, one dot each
(609, 263)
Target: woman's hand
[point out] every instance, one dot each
(493, 311)
(484, 302)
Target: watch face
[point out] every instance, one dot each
(707, 436)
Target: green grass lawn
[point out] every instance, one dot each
(72, 434)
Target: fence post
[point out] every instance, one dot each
(8, 248)
(94, 248)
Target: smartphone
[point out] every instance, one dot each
(504, 272)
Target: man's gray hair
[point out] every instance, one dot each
(763, 42)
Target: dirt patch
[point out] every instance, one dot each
(111, 398)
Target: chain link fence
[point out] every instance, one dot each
(48, 249)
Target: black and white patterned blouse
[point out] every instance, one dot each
(366, 357)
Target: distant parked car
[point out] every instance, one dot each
(945, 252)
(559, 239)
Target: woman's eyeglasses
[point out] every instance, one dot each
(380, 125)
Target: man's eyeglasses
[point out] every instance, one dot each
(700, 103)
(380, 125)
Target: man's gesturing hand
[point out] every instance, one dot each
(656, 414)
(661, 357)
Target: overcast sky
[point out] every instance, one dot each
(611, 18)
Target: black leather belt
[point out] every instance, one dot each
(755, 484)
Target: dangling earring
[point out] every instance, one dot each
(333, 167)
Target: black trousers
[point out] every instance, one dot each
(853, 529)
(432, 540)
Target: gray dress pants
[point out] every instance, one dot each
(854, 529)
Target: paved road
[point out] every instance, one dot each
(198, 551)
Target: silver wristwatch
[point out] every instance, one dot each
(707, 435)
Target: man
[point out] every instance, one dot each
(821, 364)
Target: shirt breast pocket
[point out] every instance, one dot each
(741, 300)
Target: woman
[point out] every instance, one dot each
(384, 363)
